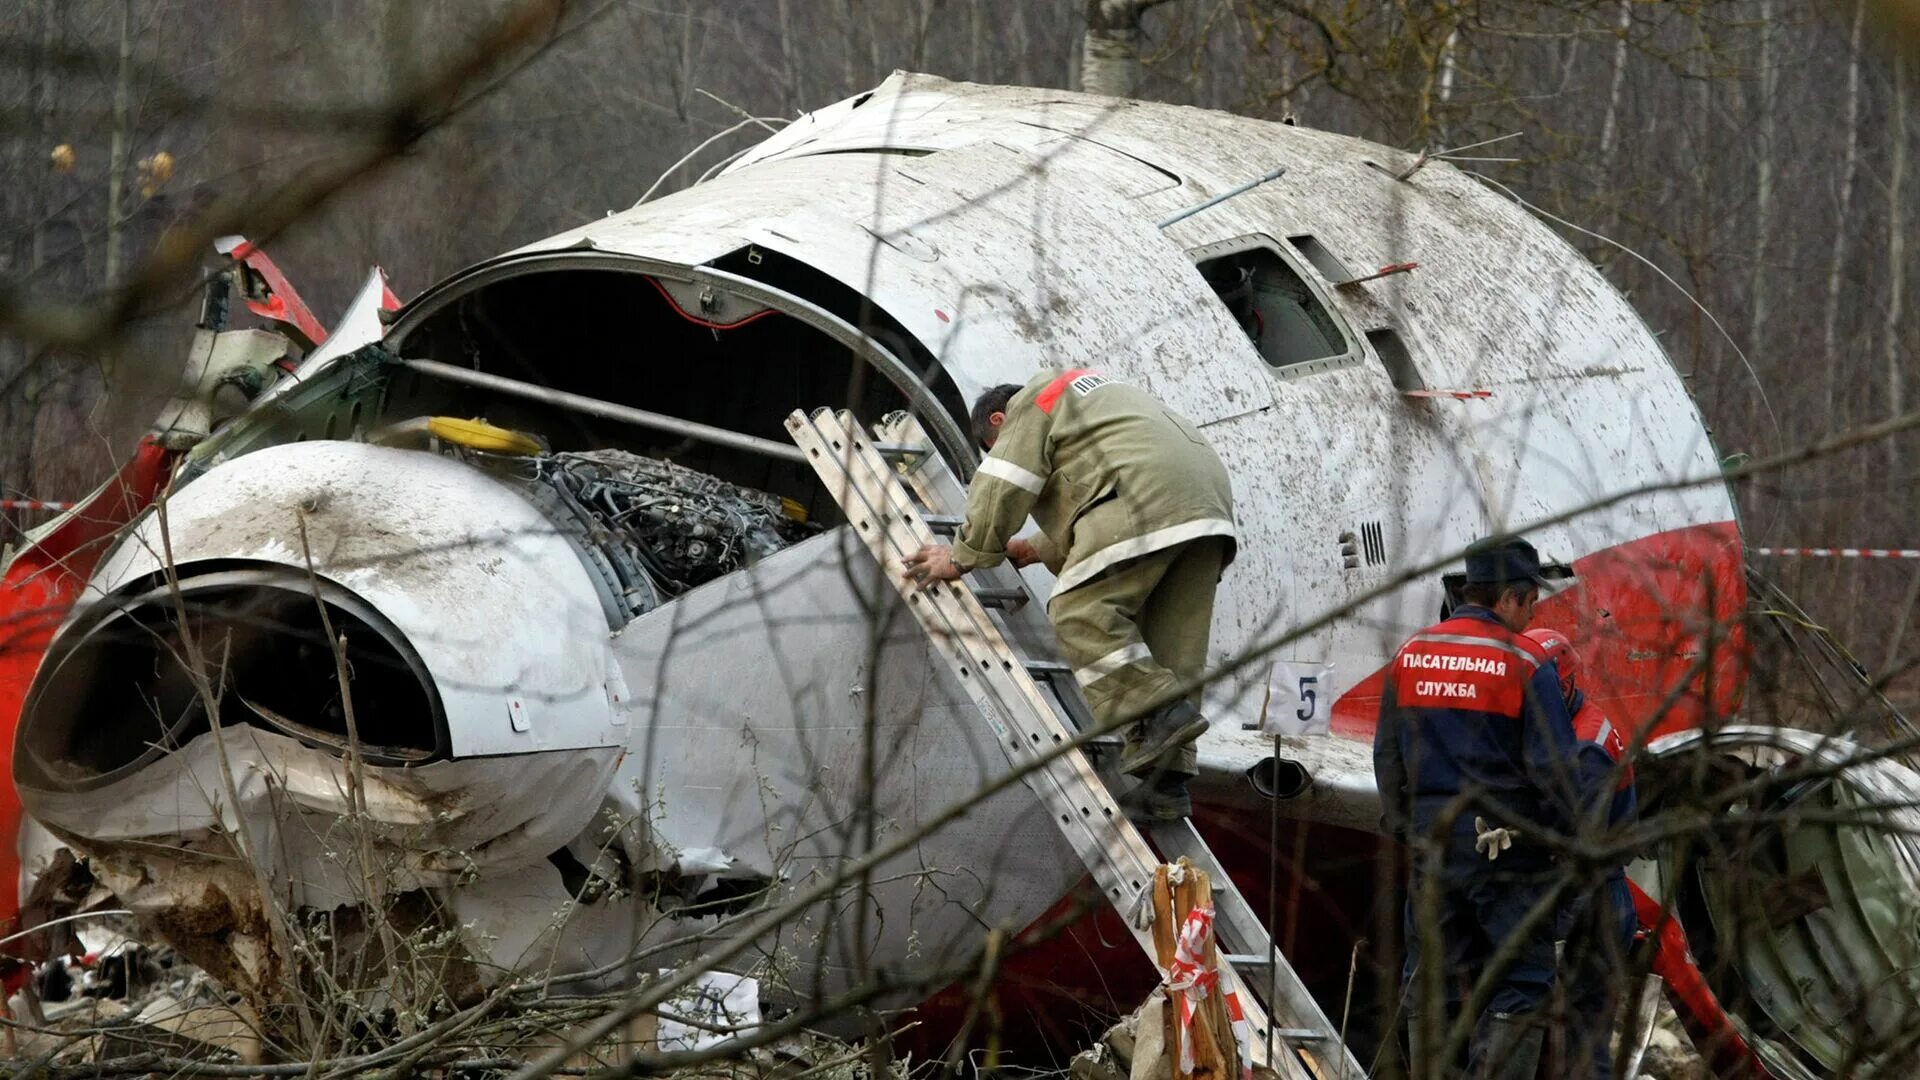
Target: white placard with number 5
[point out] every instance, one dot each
(1300, 696)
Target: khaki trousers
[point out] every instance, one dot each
(1136, 632)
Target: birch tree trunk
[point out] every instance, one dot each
(1021, 43)
(922, 28)
(976, 36)
(1897, 247)
(1110, 52)
(117, 154)
(850, 77)
(42, 127)
(1448, 57)
(117, 145)
(1843, 221)
(1610, 128)
(683, 81)
(1610, 125)
(789, 62)
(1762, 186)
(21, 409)
(1703, 193)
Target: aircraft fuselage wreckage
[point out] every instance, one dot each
(618, 671)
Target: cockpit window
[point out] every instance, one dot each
(1283, 316)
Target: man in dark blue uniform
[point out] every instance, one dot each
(1473, 726)
(1598, 925)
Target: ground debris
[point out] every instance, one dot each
(184, 1016)
(1134, 1049)
(1670, 1054)
(185, 1023)
(1112, 1057)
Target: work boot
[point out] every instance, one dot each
(1507, 1048)
(1162, 797)
(1167, 728)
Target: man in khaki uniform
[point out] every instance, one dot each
(1136, 522)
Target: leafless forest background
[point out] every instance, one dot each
(1757, 153)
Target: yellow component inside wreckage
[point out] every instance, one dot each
(477, 434)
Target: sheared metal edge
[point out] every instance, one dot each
(360, 325)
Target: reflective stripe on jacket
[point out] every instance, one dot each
(1107, 471)
(1470, 707)
(1600, 748)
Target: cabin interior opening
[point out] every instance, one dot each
(620, 336)
(1279, 311)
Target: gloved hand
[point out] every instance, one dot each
(1491, 842)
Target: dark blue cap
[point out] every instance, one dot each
(1510, 562)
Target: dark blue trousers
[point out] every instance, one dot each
(1480, 905)
(1599, 937)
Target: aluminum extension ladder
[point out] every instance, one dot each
(898, 494)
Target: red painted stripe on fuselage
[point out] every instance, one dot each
(1658, 622)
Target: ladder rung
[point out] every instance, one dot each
(1000, 598)
(894, 451)
(944, 524)
(1048, 669)
(1260, 965)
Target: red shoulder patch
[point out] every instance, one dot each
(1592, 726)
(1050, 394)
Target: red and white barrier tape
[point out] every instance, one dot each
(34, 504)
(1189, 979)
(1843, 553)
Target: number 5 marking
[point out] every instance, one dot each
(1307, 696)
